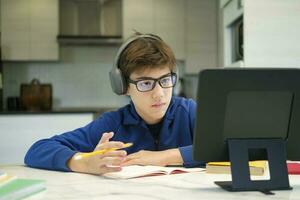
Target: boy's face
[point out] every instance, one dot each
(150, 105)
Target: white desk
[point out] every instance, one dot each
(61, 185)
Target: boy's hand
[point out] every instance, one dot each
(100, 164)
(158, 158)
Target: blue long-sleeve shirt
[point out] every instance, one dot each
(176, 132)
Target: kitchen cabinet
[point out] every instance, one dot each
(29, 30)
(20, 131)
(137, 15)
(164, 18)
(188, 26)
(271, 29)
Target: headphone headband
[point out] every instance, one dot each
(125, 45)
(117, 80)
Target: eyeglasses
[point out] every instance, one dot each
(147, 84)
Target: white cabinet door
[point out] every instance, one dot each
(19, 132)
(137, 15)
(43, 29)
(188, 26)
(165, 18)
(29, 30)
(15, 36)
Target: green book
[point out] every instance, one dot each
(21, 188)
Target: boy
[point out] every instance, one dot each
(159, 126)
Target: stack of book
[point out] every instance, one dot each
(12, 187)
(256, 168)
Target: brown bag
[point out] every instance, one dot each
(36, 96)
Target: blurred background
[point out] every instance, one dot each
(56, 54)
(71, 44)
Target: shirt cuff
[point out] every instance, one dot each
(61, 158)
(187, 157)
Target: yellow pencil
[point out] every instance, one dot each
(99, 152)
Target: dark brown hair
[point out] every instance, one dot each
(144, 53)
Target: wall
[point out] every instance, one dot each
(79, 79)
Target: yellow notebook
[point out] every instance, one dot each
(256, 167)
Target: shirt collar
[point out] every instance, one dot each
(131, 117)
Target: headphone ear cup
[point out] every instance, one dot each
(117, 81)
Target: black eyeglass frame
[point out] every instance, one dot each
(173, 76)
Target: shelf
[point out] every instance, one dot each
(89, 40)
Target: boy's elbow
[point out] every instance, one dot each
(32, 155)
(28, 159)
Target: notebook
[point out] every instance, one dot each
(20, 188)
(137, 171)
(256, 167)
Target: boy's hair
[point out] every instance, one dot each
(144, 53)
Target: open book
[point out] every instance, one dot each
(256, 167)
(136, 171)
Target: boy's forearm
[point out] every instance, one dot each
(173, 157)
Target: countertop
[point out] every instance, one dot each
(197, 185)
